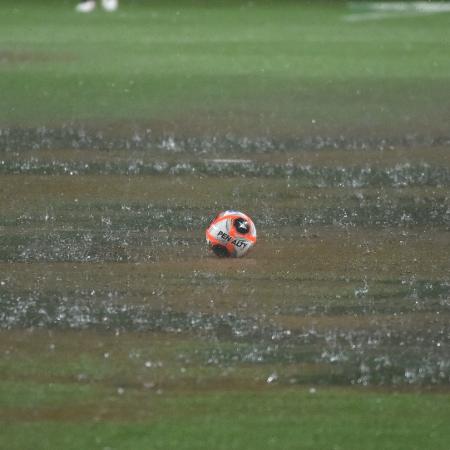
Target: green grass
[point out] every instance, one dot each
(211, 67)
(92, 390)
(269, 419)
(32, 396)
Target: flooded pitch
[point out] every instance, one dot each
(103, 259)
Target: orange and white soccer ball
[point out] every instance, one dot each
(231, 233)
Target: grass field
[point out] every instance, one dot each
(198, 67)
(122, 135)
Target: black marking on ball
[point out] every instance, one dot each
(220, 250)
(242, 226)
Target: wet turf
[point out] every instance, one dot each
(120, 330)
(288, 419)
(349, 279)
(118, 322)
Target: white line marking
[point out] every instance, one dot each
(391, 10)
(229, 161)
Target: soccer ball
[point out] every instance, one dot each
(231, 233)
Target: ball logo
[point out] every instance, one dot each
(231, 233)
(241, 225)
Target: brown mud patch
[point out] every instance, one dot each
(32, 57)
